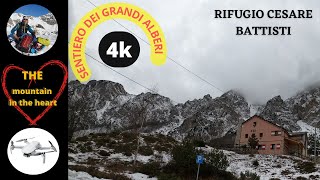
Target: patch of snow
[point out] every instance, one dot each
(170, 127)
(101, 169)
(102, 110)
(143, 159)
(74, 175)
(253, 110)
(71, 163)
(142, 142)
(166, 158)
(306, 127)
(124, 98)
(139, 176)
(122, 157)
(83, 157)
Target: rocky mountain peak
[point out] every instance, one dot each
(104, 86)
(235, 97)
(232, 93)
(206, 118)
(95, 92)
(207, 97)
(152, 99)
(276, 101)
(306, 106)
(48, 18)
(236, 101)
(277, 111)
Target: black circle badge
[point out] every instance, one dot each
(119, 49)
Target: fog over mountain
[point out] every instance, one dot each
(105, 106)
(260, 67)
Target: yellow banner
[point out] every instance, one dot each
(111, 11)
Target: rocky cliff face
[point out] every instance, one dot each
(105, 106)
(306, 106)
(48, 18)
(212, 118)
(303, 106)
(279, 112)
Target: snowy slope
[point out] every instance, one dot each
(139, 176)
(99, 153)
(255, 109)
(270, 166)
(74, 175)
(306, 127)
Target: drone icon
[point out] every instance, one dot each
(31, 148)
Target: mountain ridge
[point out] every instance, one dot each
(111, 108)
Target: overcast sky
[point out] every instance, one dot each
(260, 67)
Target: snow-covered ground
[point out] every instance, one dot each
(121, 157)
(139, 176)
(74, 175)
(83, 157)
(270, 166)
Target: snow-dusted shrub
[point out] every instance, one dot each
(217, 159)
(249, 176)
(255, 163)
(306, 167)
(152, 169)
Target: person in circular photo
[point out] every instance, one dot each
(32, 30)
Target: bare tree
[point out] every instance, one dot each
(142, 116)
(155, 89)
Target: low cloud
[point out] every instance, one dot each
(260, 67)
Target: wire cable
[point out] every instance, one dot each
(188, 70)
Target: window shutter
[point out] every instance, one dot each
(264, 147)
(278, 146)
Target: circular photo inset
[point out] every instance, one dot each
(32, 30)
(33, 151)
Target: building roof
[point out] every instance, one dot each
(285, 130)
(298, 133)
